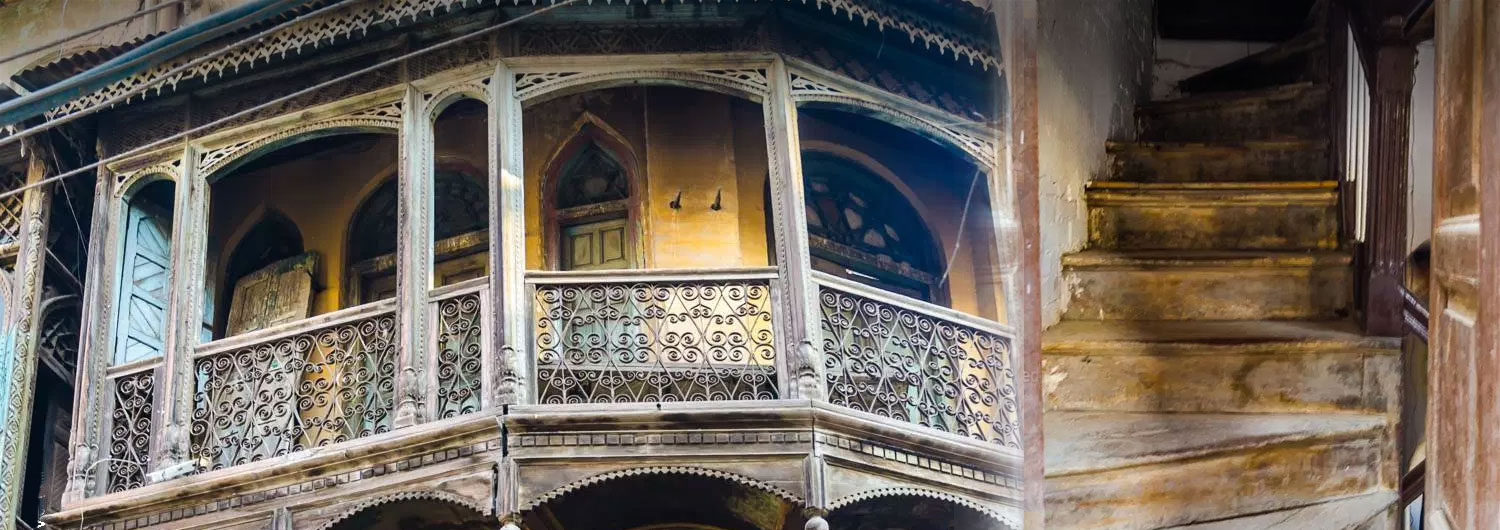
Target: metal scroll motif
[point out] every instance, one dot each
(899, 363)
(656, 341)
(291, 393)
(459, 355)
(130, 430)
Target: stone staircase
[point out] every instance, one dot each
(1205, 375)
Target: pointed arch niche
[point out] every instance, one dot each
(591, 201)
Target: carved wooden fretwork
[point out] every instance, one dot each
(125, 181)
(957, 131)
(386, 116)
(437, 101)
(749, 82)
(276, 294)
(985, 508)
(660, 470)
(313, 33)
(10, 207)
(585, 40)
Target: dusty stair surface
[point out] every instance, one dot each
(1205, 375)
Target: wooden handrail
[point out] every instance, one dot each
(1414, 313)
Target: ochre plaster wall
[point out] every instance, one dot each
(698, 143)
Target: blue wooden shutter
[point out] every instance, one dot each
(143, 286)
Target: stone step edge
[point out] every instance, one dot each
(1286, 441)
(1384, 498)
(1214, 100)
(1094, 260)
(1202, 196)
(1203, 349)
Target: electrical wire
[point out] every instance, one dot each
(94, 29)
(351, 75)
(125, 96)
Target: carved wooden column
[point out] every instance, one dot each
(184, 326)
(1018, 26)
(1382, 257)
(94, 351)
(413, 259)
(18, 367)
(508, 361)
(800, 322)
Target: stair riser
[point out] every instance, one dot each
(1217, 164)
(1186, 293)
(1239, 483)
(1308, 382)
(1189, 226)
(1297, 118)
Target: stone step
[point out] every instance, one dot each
(1249, 215)
(1206, 285)
(1291, 112)
(1250, 161)
(1141, 471)
(1218, 366)
(1360, 512)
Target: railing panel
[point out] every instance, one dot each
(654, 336)
(904, 359)
(458, 358)
(132, 410)
(308, 384)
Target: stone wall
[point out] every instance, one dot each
(1094, 64)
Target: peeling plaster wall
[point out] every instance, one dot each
(1094, 65)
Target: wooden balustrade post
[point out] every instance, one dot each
(1382, 256)
(508, 358)
(184, 317)
(413, 259)
(21, 328)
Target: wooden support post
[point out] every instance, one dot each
(93, 350)
(510, 320)
(184, 314)
(21, 328)
(1382, 257)
(800, 331)
(413, 259)
(1017, 22)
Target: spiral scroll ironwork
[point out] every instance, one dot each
(460, 347)
(295, 392)
(130, 430)
(899, 363)
(655, 341)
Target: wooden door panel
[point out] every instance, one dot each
(600, 245)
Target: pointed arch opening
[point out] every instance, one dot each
(145, 266)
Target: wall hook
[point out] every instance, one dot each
(676, 203)
(718, 200)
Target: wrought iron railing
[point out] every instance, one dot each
(652, 336)
(293, 387)
(132, 410)
(909, 360)
(459, 312)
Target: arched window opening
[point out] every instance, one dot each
(460, 223)
(146, 256)
(269, 249)
(861, 228)
(593, 212)
(460, 194)
(279, 229)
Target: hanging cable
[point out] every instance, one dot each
(279, 100)
(125, 96)
(963, 218)
(92, 30)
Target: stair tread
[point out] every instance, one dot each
(1335, 514)
(1280, 186)
(1082, 442)
(1204, 258)
(1211, 99)
(1086, 335)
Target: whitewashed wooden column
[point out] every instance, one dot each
(184, 326)
(801, 331)
(413, 259)
(18, 367)
(508, 381)
(93, 350)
